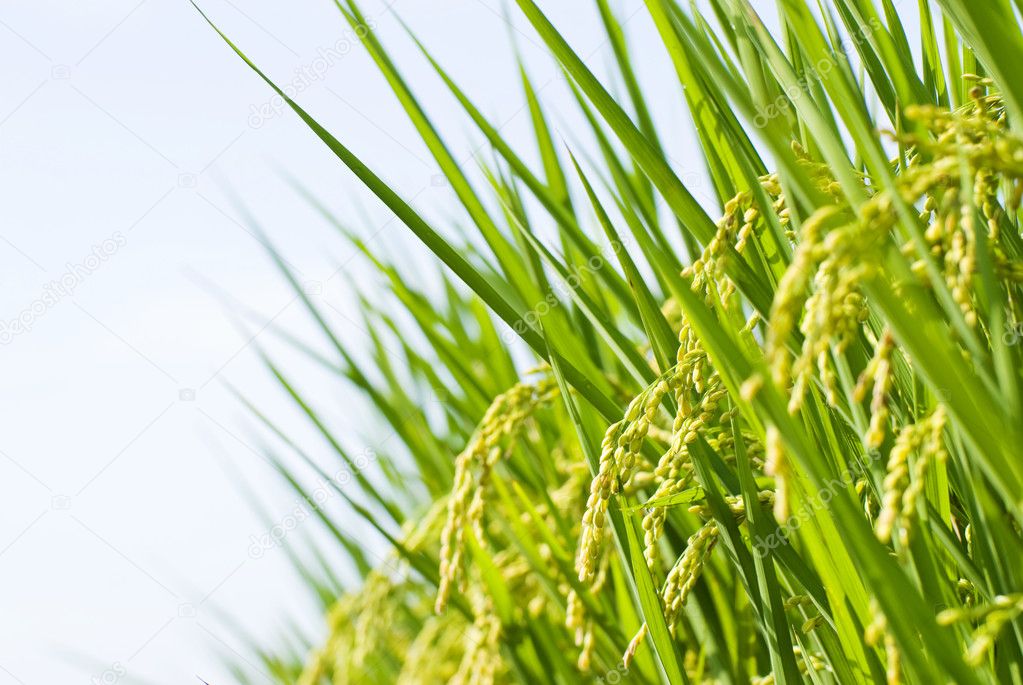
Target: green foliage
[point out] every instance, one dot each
(786, 450)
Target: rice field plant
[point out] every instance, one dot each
(772, 438)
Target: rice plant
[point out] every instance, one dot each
(776, 439)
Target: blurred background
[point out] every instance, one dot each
(136, 154)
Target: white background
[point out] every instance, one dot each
(124, 459)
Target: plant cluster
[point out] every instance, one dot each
(777, 446)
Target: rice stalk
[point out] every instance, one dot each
(811, 406)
